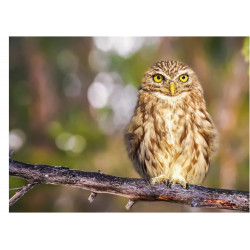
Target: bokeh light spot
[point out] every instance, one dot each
(73, 143)
(16, 139)
(98, 95)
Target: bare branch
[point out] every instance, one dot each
(134, 189)
(11, 153)
(18, 195)
(19, 188)
(92, 197)
(130, 204)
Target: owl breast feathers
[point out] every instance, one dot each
(171, 137)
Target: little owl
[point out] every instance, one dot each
(171, 137)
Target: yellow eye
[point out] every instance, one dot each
(158, 78)
(184, 78)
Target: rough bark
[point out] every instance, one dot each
(133, 189)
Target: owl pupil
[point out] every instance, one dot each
(158, 77)
(183, 77)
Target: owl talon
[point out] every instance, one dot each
(166, 181)
(173, 183)
(184, 185)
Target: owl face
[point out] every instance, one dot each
(170, 78)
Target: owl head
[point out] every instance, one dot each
(170, 78)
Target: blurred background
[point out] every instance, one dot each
(70, 99)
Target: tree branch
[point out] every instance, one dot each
(133, 189)
(18, 195)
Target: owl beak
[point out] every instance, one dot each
(172, 88)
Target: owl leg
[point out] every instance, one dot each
(160, 178)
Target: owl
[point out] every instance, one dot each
(171, 137)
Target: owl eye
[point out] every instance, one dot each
(184, 78)
(158, 78)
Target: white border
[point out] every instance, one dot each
(119, 230)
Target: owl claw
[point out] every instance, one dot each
(168, 182)
(171, 183)
(184, 185)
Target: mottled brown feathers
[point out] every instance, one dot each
(171, 136)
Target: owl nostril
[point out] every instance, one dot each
(168, 82)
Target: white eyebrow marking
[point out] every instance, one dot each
(159, 71)
(181, 72)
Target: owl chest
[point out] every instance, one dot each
(171, 127)
(166, 127)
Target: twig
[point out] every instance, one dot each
(11, 153)
(130, 204)
(134, 189)
(92, 197)
(20, 193)
(11, 189)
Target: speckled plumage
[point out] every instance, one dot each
(171, 136)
